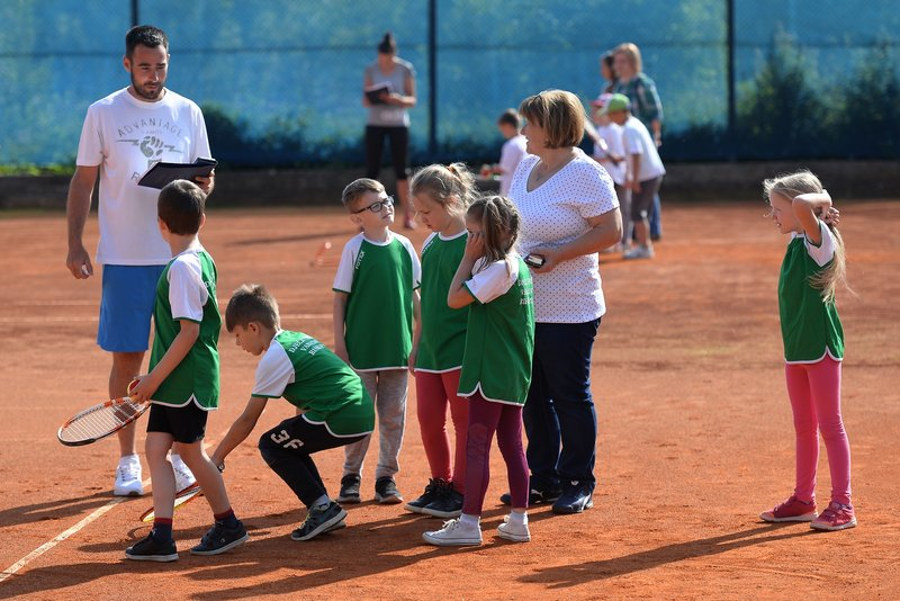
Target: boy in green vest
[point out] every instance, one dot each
(183, 382)
(334, 408)
(376, 299)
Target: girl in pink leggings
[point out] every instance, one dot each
(494, 282)
(813, 346)
(440, 197)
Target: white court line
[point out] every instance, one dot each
(11, 570)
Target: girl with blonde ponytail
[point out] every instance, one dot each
(813, 267)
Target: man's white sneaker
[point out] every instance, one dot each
(128, 478)
(455, 533)
(514, 530)
(183, 476)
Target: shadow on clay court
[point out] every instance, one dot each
(573, 575)
(53, 510)
(376, 547)
(54, 577)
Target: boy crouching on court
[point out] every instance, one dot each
(337, 411)
(183, 382)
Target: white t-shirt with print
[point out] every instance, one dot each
(125, 136)
(554, 214)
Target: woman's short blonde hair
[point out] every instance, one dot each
(559, 113)
(632, 53)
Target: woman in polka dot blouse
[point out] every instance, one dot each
(569, 212)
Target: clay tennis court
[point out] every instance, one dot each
(695, 434)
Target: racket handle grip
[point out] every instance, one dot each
(131, 386)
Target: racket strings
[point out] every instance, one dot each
(99, 421)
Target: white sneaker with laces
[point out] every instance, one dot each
(639, 252)
(183, 475)
(454, 534)
(514, 530)
(128, 477)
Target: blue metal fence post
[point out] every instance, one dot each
(432, 79)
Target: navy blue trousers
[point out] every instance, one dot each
(559, 415)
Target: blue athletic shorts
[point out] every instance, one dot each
(126, 306)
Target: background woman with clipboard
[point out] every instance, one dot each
(388, 115)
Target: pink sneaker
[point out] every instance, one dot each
(792, 510)
(836, 517)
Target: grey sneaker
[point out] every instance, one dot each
(386, 491)
(320, 519)
(349, 489)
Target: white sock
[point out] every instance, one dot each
(126, 459)
(516, 517)
(177, 461)
(323, 500)
(467, 519)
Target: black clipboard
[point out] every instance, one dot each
(162, 173)
(374, 93)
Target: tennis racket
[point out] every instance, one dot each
(181, 498)
(99, 421)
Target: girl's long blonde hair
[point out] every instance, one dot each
(499, 225)
(805, 182)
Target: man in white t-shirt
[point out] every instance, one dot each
(644, 173)
(122, 136)
(513, 150)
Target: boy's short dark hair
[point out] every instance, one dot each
(357, 188)
(180, 206)
(251, 302)
(510, 117)
(145, 35)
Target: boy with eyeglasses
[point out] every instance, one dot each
(376, 299)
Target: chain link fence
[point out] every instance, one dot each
(280, 80)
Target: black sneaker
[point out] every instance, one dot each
(349, 489)
(535, 497)
(220, 539)
(320, 519)
(575, 498)
(430, 494)
(386, 491)
(448, 503)
(151, 550)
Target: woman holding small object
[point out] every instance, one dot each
(389, 90)
(569, 212)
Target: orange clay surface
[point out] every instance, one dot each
(695, 435)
